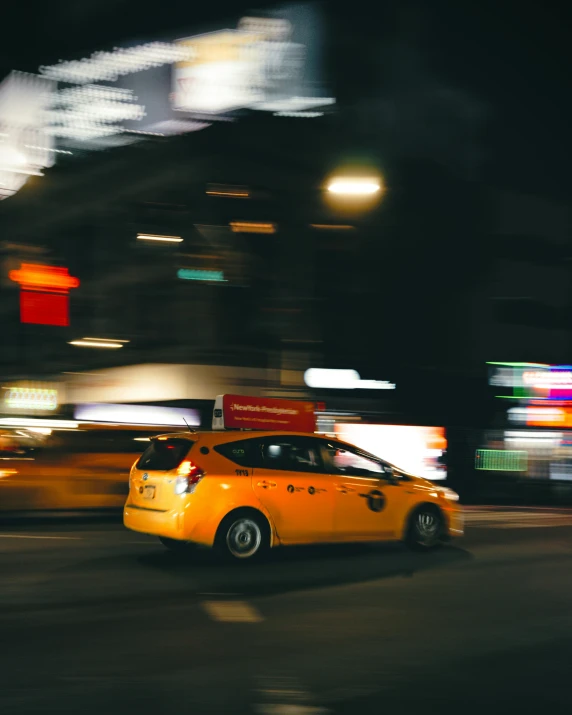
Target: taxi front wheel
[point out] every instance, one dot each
(425, 528)
(244, 536)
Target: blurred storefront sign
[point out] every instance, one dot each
(257, 66)
(247, 412)
(418, 450)
(30, 398)
(44, 292)
(532, 381)
(325, 379)
(158, 89)
(541, 416)
(166, 382)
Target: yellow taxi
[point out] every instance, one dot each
(246, 492)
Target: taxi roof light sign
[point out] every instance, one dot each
(263, 413)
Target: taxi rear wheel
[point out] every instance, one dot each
(425, 528)
(243, 536)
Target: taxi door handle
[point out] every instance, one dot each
(266, 485)
(344, 490)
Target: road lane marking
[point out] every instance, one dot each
(517, 520)
(29, 536)
(232, 611)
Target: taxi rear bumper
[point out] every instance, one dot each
(168, 523)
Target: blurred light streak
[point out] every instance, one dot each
(94, 344)
(331, 227)
(137, 415)
(38, 430)
(30, 422)
(112, 65)
(154, 237)
(342, 380)
(109, 340)
(235, 192)
(35, 276)
(354, 187)
(252, 227)
(301, 115)
(520, 364)
(188, 274)
(7, 473)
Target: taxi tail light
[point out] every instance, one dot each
(189, 475)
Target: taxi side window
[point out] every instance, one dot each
(244, 452)
(343, 459)
(293, 454)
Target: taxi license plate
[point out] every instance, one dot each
(149, 493)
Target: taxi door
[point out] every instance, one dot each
(290, 482)
(368, 505)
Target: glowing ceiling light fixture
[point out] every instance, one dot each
(95, 344)
(108, 340)
(342, 380)
(156, 237)
(252, 227)
(354, 187)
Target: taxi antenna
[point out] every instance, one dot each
(192, 431)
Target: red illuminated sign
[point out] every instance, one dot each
(44, 293)
(44, 308)
(268, 414)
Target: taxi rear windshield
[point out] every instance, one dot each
(164, 454)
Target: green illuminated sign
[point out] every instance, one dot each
(194, 274)
(501, 460)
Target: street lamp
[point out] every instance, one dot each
(354, 186)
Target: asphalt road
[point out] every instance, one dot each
(96, 619)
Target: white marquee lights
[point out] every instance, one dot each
(25, 147)
(257, 65)
(92, 111)
(109, 66)
(342, 380)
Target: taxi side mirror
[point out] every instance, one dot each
(391, 477)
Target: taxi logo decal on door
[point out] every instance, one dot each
(375, 500)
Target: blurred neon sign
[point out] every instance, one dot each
(31, 398)
(190, 274)
(52, 279)
(530, 381)
(44, 293)
(548, 380)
